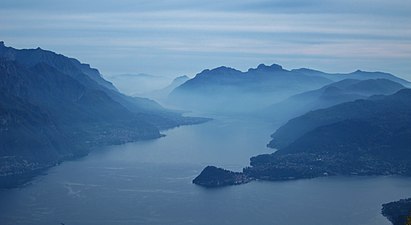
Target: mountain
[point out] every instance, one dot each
(367, 137)
(386, 107)
(71, 66)
(357, 75)
(138, 84)
(54, 108)
(329, 95)
(363, 137)
(225, 89)
(162, 94)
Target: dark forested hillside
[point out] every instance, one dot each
(399, 212)
(54, 108)
(367, 137)
(363, 137)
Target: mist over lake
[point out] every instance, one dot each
(205, 112)
(149, 182)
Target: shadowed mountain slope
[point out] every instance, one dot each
(53, 108)
(329, 95)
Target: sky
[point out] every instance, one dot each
(183, 37)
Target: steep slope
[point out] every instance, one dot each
(92, 79)
(49, 114)
(364, 137)
(329, 95)
(71, 66)
(392, 105)
(48, 117)
(29, 141)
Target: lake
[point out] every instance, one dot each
(149, 182)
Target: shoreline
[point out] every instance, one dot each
(22, 178)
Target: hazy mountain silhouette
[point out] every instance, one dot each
(162, 93)
(51, 110)
(389, 116)
(138, 84)
(329, 95)
(363, 137)
(358, 75)
(226, 89)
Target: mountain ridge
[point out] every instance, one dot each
(362, 137)
(332, 94)
(50, 114)
(228, 90)
(358, 74)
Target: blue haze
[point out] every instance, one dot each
(177, 37)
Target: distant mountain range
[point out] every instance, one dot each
(329, 95)
(357, 75)
(54, 108)
(162, 93)
(229, 90)
(226, 89)
(355, 124)
(138, 84)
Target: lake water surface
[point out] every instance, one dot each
(149, 182)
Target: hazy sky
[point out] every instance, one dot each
(177, 37)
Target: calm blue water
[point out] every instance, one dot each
(150, 183)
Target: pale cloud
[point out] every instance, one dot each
(124, 36)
